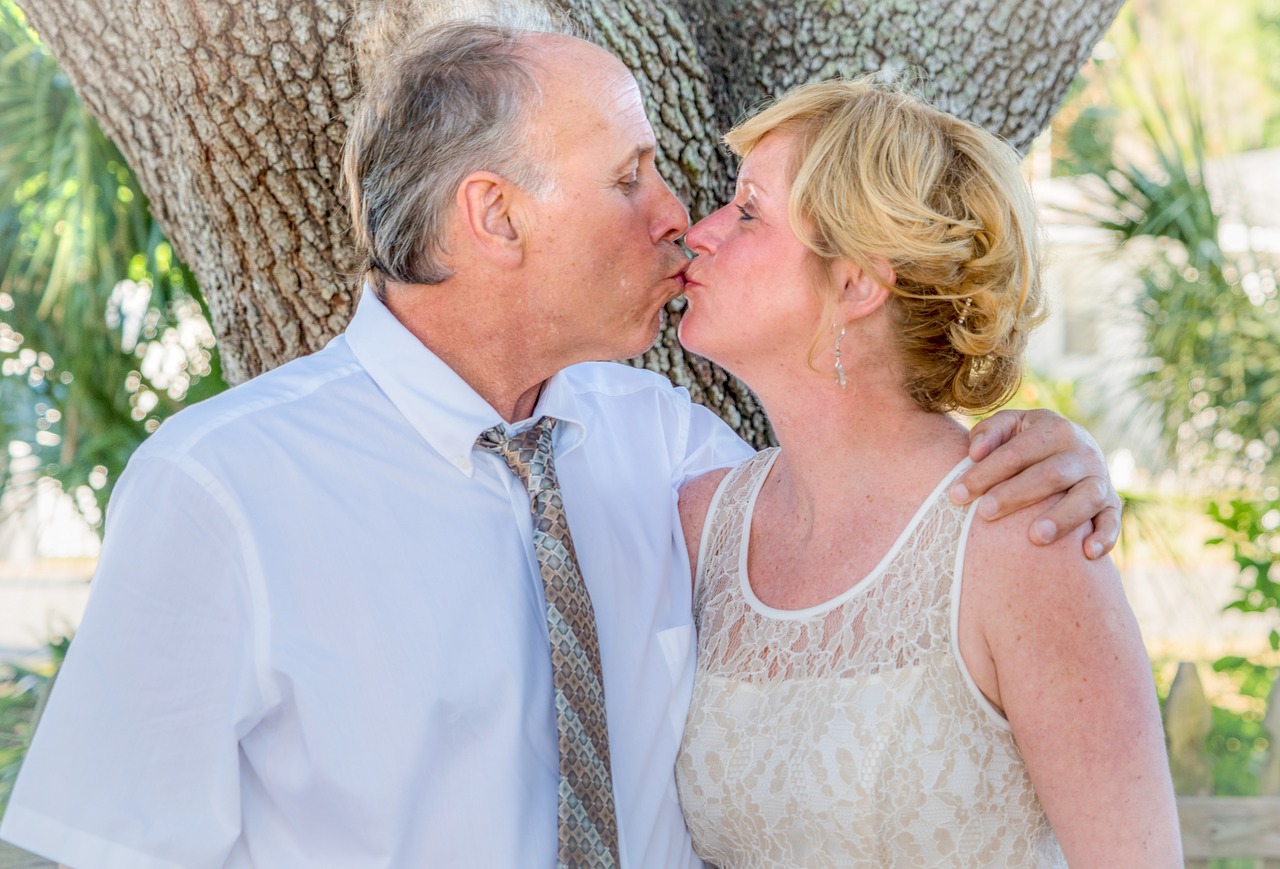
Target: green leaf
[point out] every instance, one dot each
(73, 224)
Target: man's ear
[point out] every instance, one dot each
(486, 204)
(862, 293)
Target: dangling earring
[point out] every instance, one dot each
(839, 364)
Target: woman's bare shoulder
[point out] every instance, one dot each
(1002, 561)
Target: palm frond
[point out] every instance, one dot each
(74, 225)
(1213, 376)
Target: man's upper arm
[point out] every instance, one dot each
(710, 444)
(136, 759)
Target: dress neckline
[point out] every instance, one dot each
(859, 587)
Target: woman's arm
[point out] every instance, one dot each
(1049, 637)
(695, 498)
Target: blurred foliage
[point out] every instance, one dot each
(103, 332)
(1238, 745)
(23, 693)
(1228, 54)
(1250, 529)
(1172, 89)
(1210, 319)
(1210, 324)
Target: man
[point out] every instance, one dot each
(318, 634)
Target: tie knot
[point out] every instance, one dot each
(528, 453)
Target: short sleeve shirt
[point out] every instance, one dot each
(316, 635)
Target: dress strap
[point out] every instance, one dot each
(725, 511)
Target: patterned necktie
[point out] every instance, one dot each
(588, 827)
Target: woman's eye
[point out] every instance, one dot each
(744, 215)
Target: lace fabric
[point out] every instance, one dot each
(849, 733)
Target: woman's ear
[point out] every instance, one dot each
(487, 218)
(861, 293)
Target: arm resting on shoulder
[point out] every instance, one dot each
(1024, 456)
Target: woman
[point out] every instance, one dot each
(881, 681)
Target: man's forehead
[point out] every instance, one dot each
(583, 71)
(592, 100)
(611, 90)
(618, 101)
(569, 57)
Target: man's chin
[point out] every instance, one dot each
(645, 341)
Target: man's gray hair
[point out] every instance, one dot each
(452, 99)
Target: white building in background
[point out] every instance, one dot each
(47, 552)
(1094, 334)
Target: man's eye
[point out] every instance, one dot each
(631, 182)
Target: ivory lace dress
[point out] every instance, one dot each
(849, 733)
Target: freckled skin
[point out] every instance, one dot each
(753, 300)
(603, 241)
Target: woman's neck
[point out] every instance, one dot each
(843, 450)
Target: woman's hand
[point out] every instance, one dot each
(1025, 456)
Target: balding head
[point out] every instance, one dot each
(449, 102)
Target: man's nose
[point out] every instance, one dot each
(672, 218)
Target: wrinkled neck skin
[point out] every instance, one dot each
(482, 339)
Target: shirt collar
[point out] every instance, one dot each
(440, 405)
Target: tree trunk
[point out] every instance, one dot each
(231, 114)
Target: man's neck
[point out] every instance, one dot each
(487, 353)
(502, 383)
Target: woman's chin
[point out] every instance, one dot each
(691, 341)
(688, 336)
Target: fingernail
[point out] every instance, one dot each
(1045, 530)
(1095, 550)
(959, 494)
(976, 439)
(987, 507)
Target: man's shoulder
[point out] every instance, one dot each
(270, 399)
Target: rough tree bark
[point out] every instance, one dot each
(231, 114)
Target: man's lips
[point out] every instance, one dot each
(679, 277)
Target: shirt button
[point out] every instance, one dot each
(463, 463)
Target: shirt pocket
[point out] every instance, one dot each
(677, 646)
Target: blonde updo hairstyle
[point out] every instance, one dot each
(880, 176)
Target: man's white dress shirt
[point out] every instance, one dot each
(316, 635)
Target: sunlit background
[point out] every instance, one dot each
(1158, 181)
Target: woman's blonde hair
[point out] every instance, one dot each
(881, 177)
